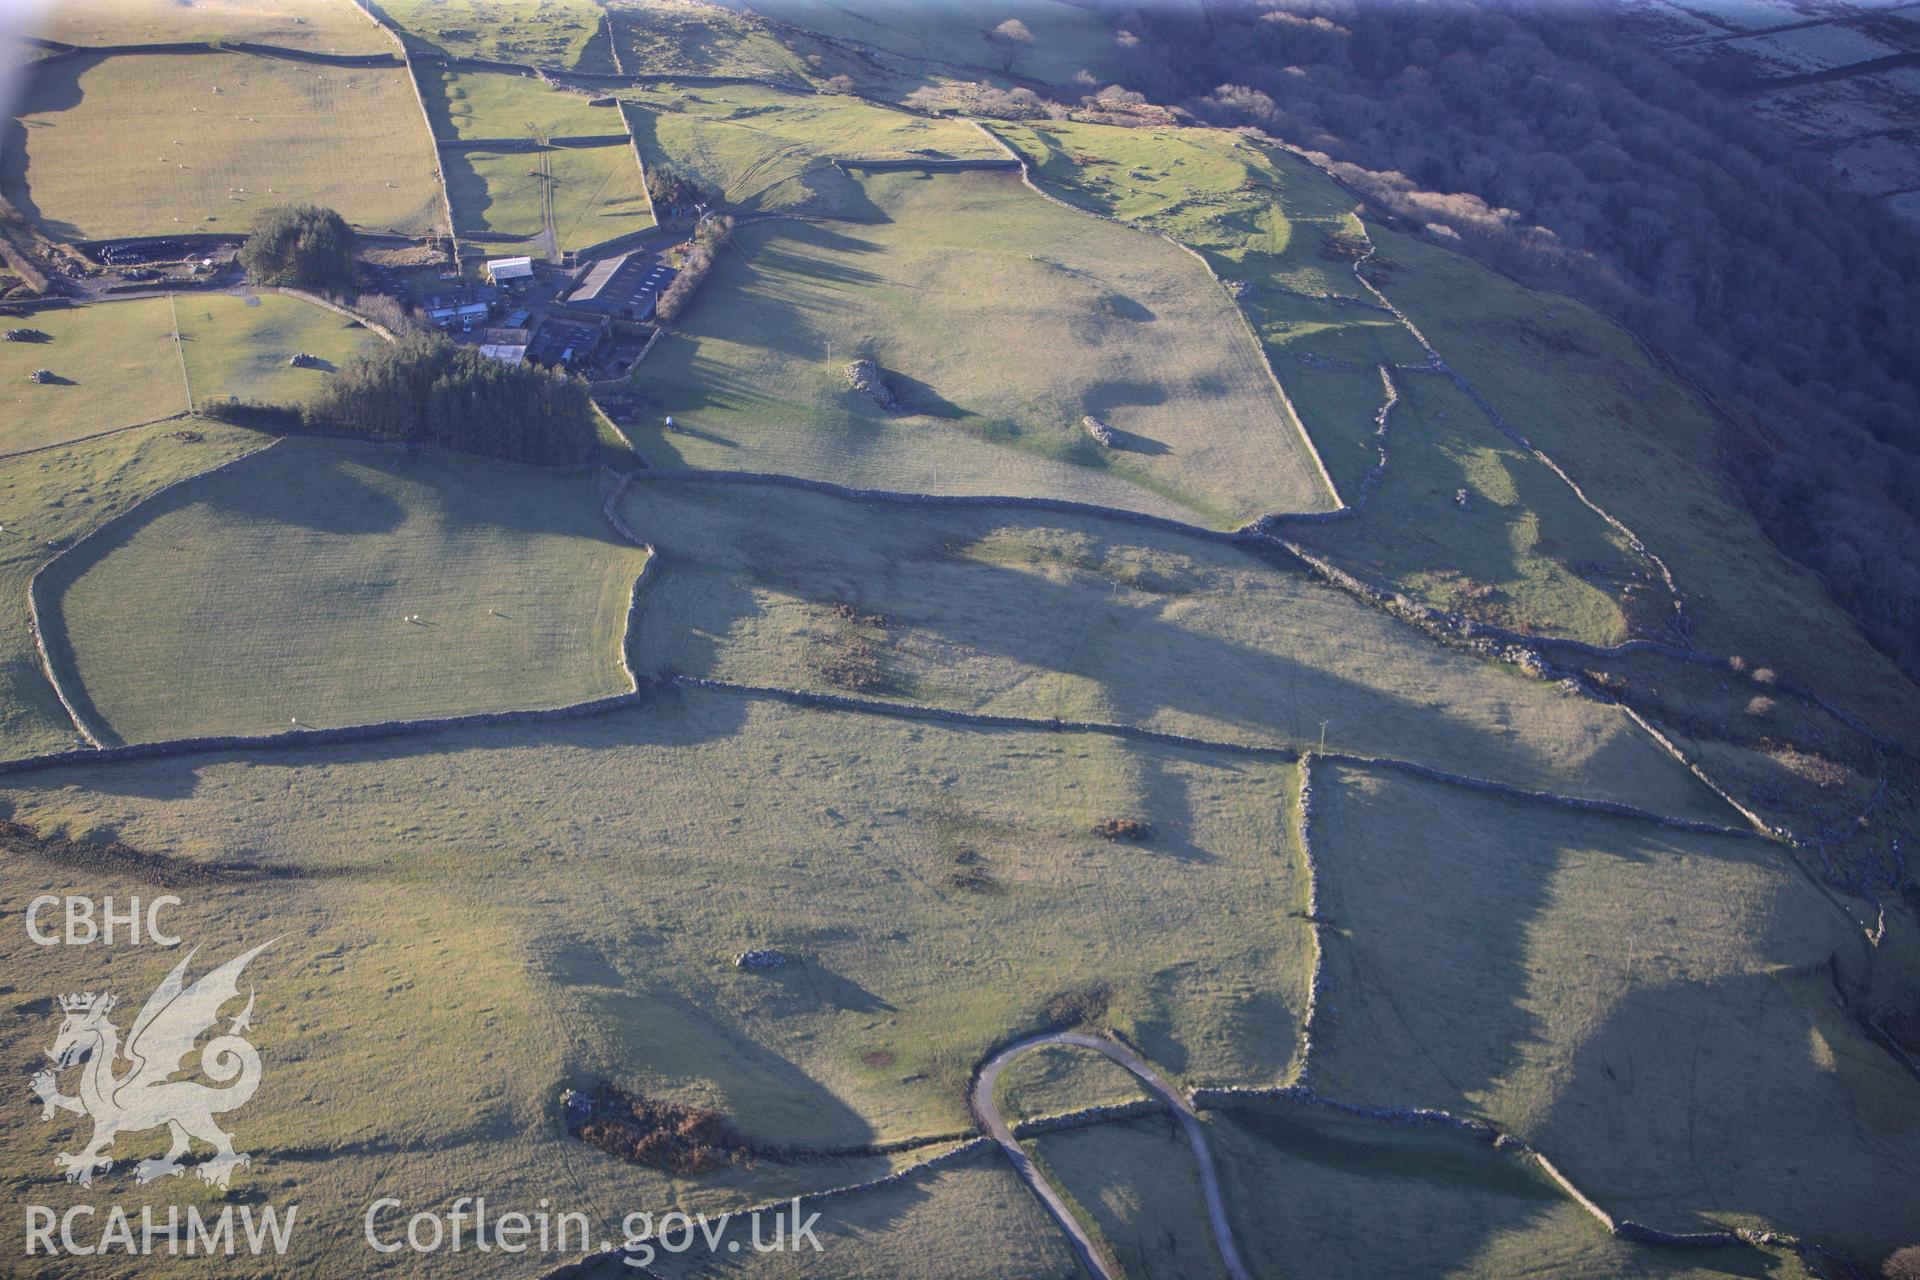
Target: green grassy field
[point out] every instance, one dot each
(1002, 320)
(497, 104)
(142, 145)
(1361, 1200)
(364, 960)
(322, 26)
(117, 365)
(283, 590)
(1653, 1011)
(1091, 619)
(1650, 450)
(1067, 38)
(1134, 1185)
(762, 150)
(53, 497)
(975, 1216)
(1530, 556)
(597, 192)
(608, 871)
(239, 346)
(662, 36)
(1054, 1080)
(1521, 552)
(1635, 437)
(554, 33)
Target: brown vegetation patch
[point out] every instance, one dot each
(668, 1136)
(851, 658)
(1122, 829)
(1079, 1006)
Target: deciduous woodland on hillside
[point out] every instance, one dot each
(1558, 146)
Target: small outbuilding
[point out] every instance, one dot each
(503, 270)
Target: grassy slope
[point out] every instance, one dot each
(1652, 1010)
(1001, 320)
(496, 104)
(57, 495)
(322, 26)
(1135, 1184)
(597, 193)
(555, 33)
(1649, 449)
(1056, 1079)
(281, 590)
(1067, 38)
(1522, 552)
(238, 346)
(973, 1220)
(118, 365)
(767, 151)
(101, 160)
(573, 895)
(1530, 555)
(664, 36)
(407, 1045)
(1370, 1201)
(1641, 442)
(1092, 619)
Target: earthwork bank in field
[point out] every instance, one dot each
(1001, 321)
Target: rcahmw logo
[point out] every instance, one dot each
(127, 1087)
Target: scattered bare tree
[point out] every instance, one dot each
(1012, 39)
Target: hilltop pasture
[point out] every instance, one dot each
(1002, 321)
(1021, 613)
(611, 868)
(1523, 552)
(164, 144)
(763, 150)
(667, 37)
(115, 365)
(319, 26)
(560, 34)
(331, 583)
(1653, 1010)
(1067, 38)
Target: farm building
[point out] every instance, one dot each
(567, 343)
(504, 270)
(462, 308)
(626, 286)
(505, 344)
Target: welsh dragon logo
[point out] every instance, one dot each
(130, 1088)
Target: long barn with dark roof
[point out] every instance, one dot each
(627, 286)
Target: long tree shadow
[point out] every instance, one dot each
(47, 87)
(1686, 1094)
(1143, 637)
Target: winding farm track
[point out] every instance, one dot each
(987, 1112)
